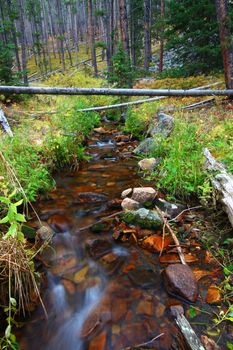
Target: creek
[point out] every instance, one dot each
(99, 294)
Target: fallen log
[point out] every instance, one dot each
(111, 92)
(222, 183)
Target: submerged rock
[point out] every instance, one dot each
(180, 280)
(98, 248)
(60, 223)
(90, 197)
(44, 233)
(143, 217)
(163, 126)
(130, 204)
(143, 194)
(148, 164)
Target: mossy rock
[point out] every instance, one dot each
(144, 218)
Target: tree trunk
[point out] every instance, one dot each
(147, 33)
(92, 36)
(161, 37)
(23, 42)
(124, 25)
(225, 40)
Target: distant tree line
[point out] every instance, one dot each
(195, 31)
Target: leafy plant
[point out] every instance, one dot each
(12, 217)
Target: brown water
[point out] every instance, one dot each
(100, 295)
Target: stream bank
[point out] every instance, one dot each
(102, 293)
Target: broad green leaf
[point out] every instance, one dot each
(8, 331)
(13, 301)
(4, 220)
(19, 203)
(4, 200)
(12, 231)
(229, 346)
(20, 218)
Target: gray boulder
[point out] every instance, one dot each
(163, 127)
(145, 147)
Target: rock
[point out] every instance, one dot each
(101, 130)
(209, 344)
(177, 310)
(98, 248)
(145, 147)
(112, 262)
(148, 163)
(143, 217)
(98, 343)
(213, 295)
(172, 258)
(126, 193)
(130, 204)
(180, 280)
(171, 209)
(143, 194)
(43, 234)
(90, 197)
(145, 307)
(163, 127)
(143, 278)
(60, 223)
(81, 274)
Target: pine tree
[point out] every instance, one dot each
(6, 62)
(121, 74)
(193, 33)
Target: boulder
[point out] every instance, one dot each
(163, 127)
(143, 217)
(148, 163)
(180, 280)
(143, 194)
(130, 204)
(145, 147)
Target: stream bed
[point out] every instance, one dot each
(100, 294)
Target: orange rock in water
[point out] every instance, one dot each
(145, 307)
(213, 295)
(60, 223)
(98, 343)
(157, 243)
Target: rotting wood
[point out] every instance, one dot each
(188, 333)
(111, 92)
(175, 239)
(199, 104)
(222, 183)
(5, 124)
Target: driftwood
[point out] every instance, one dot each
(175, 239)
(188, 333)
(222, 183)
(111, 92)
(5, 124)
(199, 104)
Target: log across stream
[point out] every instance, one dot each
(100, 294)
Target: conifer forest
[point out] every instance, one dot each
(116, 174)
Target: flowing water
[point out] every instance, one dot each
(99, 295)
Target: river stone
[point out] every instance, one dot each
(98, 248)
(143, 194)
(126, 193)
(180, 280)
(145, 147)
(130, 204)
(163, 127)
(90, 197)
(148, 164)
(44, 233)
(143, 217)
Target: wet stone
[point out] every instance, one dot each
(143, 194)
(144, 278)
(144, 218)
(60, 223)
(130, 204)
(90, 197)
(98, 248)
(180, 281)
(111, 262)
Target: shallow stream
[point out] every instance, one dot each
(100, 295)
